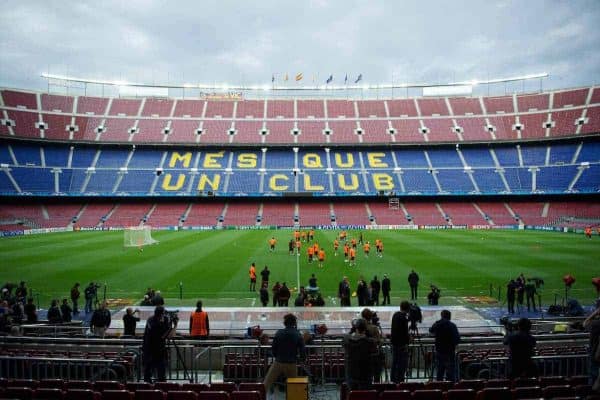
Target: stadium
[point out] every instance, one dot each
(177, 187)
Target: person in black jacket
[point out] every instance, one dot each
(400, 340)
(521, 345)
(130, 321)
(54, 316)
(446, 339)
(30, 311)
(386, 287)
(359, 349)
(344, 292)
(284, 295)
(100, 320)
(158, 329)
(66, 311)
(413, 282)
(511, 289)
(376, 288)
(264, 295)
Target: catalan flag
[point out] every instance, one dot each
(299, 77)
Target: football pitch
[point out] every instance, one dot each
(213, 265)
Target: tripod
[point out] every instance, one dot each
(413, 331)
(180, 359)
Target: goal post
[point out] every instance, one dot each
(138, 236)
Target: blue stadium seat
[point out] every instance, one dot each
(102, 181)
(411, 159)
(5, 157)
(243, 181)
(562, 153)
(419, 180)
(488, 180)
(83, 157)
(137, 181)
(34, 180)
(143, 158)
(27, 154)
(478, 157)
(279, 159)
(519, 179)
(533, 155)
(56, 156)
(589, 181)
(444, 158)
(455, 181)
(111, 158)
(555, 179)
(507, 156)
(590, 152)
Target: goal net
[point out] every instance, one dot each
(138, 236)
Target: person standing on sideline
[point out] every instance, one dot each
(252, 274)
(413, 282)
(100, 320)
(90, 295)
(287, 346)
(264, 274)
(75, 294)
(386, 287)
(199, 327)
(592, 325)
(376, 287)
(154, 348)
(264, 295)
(446, 339)
(344, 292)
(276, 288)
(521, 345)
(129, 321)
(66, 311)
(400, 341)
(511, 289)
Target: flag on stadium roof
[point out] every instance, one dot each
(299, 77)
(273, 78)
(346, 79)
(358, 79)
(329, 79)
(286, 77)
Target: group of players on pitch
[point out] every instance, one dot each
(316, 253)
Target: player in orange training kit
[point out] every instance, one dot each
(321, 258)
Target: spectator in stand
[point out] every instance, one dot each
(284, 295)
(54, 316)
(386, 287)
(130, 321)
(287, 346)
(276, 288)
(199, 324)
(154, 348)
(521, 345)
(400, 341)
(264, 295)
(100, 320)
(66, 311)
(360, 350)
(446, 339)
(75, 294)
(592, 325)
(30, 311)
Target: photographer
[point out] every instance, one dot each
(374, 331)
(159, 328)
(434, 295)
(287, 344)
(360, 349)
(400, 341)
(90, 293)
(130, 321)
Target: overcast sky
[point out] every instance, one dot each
(243, 42)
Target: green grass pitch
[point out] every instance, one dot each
(213, 265)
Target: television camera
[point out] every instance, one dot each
(414, 316)
(434, 295)
(172, 317)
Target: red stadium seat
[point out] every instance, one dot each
(82, 394)
(362, 395)
(380, 387)
(497, 383)
(461, 394)
(135, 386)
(552, 380)
(253, 386)
(167, 386)
(527, 392)
(213, 395)
(431, 394)
(558, 391)
(223, 386)
(122, 394)
(245, 395)
(18, 392)
(494, 393)
(51, 384)
(49, 394)
(394, 395)
(410, 386)
(182, 395)
(153, 394)
(30, 383)
(525, 382)
(195, 387)
(444, 386)
(79, 385)
(101, 386)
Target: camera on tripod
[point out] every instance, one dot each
(539, 282)
(414, 316)
(172, 317)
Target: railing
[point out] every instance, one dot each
(16, 367)
(556, 365)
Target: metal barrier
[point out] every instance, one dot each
(15, 367)
(549, 365)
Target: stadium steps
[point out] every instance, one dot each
(185, 215)
(489, 220)
(545, 210)
(108, 215)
